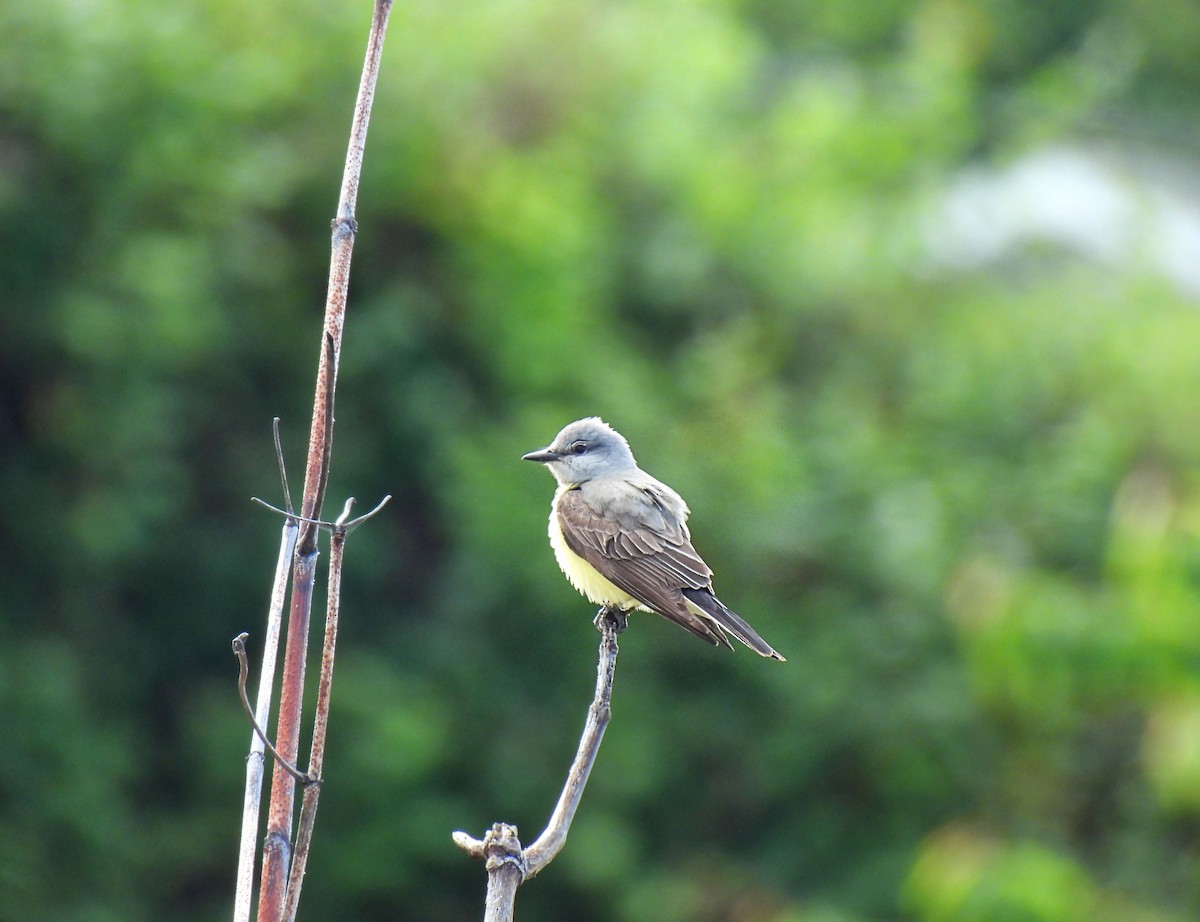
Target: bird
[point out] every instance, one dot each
(621, 538)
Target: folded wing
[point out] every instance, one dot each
(636, 536)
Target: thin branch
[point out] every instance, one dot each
(316, 759)
(287, 492)
(252, 796)
(239, 650)
(509, 865)
(347, 527)
(291, 515)
(340, 522)
(335, 526)
(550, 842)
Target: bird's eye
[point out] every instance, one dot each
(578, 448)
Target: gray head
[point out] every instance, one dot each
(584, 450)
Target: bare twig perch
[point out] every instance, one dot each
(508, 864)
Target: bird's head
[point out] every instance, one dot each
(584, 450)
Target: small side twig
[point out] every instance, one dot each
(334, 526)
(509, 865)
(239, 650)
(287, 491)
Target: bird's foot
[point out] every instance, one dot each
(616, 617)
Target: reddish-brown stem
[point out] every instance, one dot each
(277, 848)
(252, 795)
(316, 761)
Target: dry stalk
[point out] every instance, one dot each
(508, 864)
(252, 796)
(277, 847)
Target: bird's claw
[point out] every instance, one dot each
(614, 617)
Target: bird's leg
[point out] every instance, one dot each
(618, 618)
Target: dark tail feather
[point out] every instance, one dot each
(708, 603)
(702, 627)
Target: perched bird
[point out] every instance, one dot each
(621, 536)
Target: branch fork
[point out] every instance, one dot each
(508, 864)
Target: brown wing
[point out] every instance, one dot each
(639, 544)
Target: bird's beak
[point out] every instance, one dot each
(542, 455)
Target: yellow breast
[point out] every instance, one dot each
(583, 575)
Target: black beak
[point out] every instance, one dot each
(542, 455)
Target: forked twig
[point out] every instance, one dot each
(335, 526)
(508, 864)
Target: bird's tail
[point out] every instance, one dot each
(710, 606)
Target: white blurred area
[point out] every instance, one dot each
(1120, 210)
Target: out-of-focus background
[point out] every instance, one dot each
(904, 297)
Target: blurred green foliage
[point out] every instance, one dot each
(962, 498)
